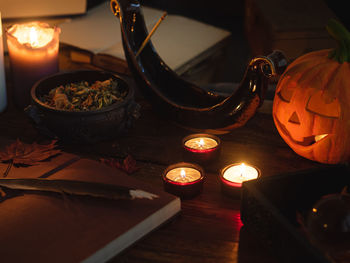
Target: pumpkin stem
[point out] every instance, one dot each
(342, 36)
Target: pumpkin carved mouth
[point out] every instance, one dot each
(307, 141)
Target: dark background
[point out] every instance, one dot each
(225, 14)
(229, 15)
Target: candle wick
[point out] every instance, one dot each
(201, 144)
(183, 174)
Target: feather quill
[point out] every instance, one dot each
(80, 188)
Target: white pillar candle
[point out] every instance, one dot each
(33, 52)
(3, 94)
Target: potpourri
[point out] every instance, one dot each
(82, 96)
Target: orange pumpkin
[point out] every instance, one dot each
(311, 108)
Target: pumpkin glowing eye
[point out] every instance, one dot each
(317, 105)
(285, 94)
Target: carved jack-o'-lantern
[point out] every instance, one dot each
(311, 107)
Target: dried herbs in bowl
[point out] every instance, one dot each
(83, 96)
(83, 106)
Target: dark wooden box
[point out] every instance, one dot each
(270, 205)
(295, 27)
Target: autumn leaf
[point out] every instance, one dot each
(19, 153)
(128, 165)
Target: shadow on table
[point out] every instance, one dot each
(251, 250)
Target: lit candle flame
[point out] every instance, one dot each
(242, 169)
(183, 173)
(201, 143)
(33, 35)
(239, 173)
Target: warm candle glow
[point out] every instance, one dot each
(201, 143)
(183, 179)
(320, 137)
(242, 168)
(240, 173)
(33, 52)
(201, 148)
(183, 175)
(33, 34)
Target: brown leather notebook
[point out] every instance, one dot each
(37, 227)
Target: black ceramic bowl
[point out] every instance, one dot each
(82, 126)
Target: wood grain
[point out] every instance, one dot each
(209, 227)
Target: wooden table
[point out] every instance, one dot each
(209, 227)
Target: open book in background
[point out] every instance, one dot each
(62, 228)
(96, 38)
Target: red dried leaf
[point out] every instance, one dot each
(128, 165)
(20, 153)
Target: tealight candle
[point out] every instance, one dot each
(183, 179)
(233, 176)
(33, 53)
(201, 147)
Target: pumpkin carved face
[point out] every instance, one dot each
(311, 108)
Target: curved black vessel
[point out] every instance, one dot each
(181, 101)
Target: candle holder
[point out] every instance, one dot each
(201, 148)
(234, 175)
(33, 54)
(183, 179)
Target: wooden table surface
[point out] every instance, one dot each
(208, 228)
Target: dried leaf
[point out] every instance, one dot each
(19, 153)
(128, 165)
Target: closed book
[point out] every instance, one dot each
(47, 227)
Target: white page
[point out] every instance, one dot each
(99, 29)
(177, 40)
